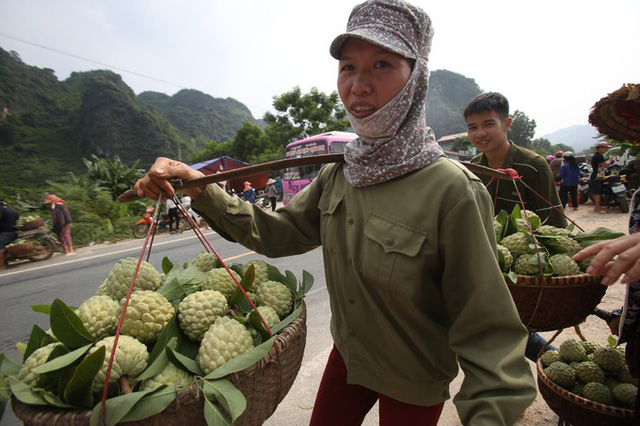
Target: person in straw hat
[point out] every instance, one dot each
(61, 222)
(408, 244)
(272, 193)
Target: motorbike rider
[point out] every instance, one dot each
(8, 220)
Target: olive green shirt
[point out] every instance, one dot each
(413, 282)
(536, 174)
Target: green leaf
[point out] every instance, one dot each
(61, 361)
(79, 388)
(35, 341)
(160, 361)
(188, 347)
(598, 234)
(167, 265)
(291, 282)
(171, 330)
(191, 276)
(43, 309)
(513, 277)
(230, 397)
(9, 366)
(242, 361)
(307, 283)
(24, 393)
(246, 283)
(171, 289)
(117, 408)
(213, 416)
(612, 341)
(288, 320)
(186, 362)
(67, 327)
(256, 323)
(5, 394)
(152, 404)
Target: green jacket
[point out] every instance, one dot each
(536, 174)
(413, 283)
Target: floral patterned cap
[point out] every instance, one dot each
(392, 24)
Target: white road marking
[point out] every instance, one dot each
(36, 268)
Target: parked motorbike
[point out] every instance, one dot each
(141, 228)
(34, 245)
(584, 194)
(614, 193)
(263, 202)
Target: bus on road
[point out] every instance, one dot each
(296, 178)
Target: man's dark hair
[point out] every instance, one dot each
(490, 101)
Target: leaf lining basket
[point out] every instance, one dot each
(577, 410)
(553, 303)
(264, 385)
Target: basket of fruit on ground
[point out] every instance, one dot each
(192, 350)
(28, 223)
(19, 249)
(586, 383)
(551, 291)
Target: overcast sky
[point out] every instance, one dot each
(552, 59)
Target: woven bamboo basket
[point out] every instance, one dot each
(553, 303)
(264, 385)
(579, 411)
(33, 224)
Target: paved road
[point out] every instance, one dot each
(76, 278)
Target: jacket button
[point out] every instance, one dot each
(350, 221)
(391, 243)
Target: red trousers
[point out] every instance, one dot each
(342, 404)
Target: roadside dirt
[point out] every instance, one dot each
(539, 414)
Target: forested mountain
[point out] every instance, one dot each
(47, 126)
(449, 93)
(199, 116)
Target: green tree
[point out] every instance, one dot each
(250, 141)
(112, 173)
(461, 144)
(301, 115)
(522, 129)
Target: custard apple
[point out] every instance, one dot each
(598, 392)
(552, 230)
(625, 376)
(626, 394)
(497, 229)
(611, 382)
(562, 374)
(570, 244)
(261, 272)
(269, 314)
(225, 340)
(572, 350)
(528, 264)
(521, 223)
(589, 371)
(507, 259)
(590, 347)
(219, 279)
(276, 295)
(563, 265)
(204, 262)
(199, 310)
(609, 359)
(170, 375)
(549, 357)
(130, 359)
(147, 314)
(99, 316)
(518, 243)
(36, 359)
(119, 279)
(578, 389)
(584, 263)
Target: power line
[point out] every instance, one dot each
(91, 60)
(9, 36)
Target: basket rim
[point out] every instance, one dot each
(584, 403)
(565, 281)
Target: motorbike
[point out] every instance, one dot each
(263, 202)
(614, 193)
(584, 194)
(141, 227)
(33, 245)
